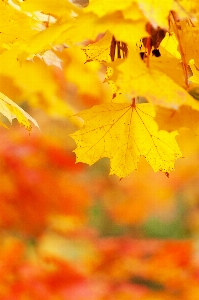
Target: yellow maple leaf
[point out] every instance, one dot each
(11, 110)
(124, 132)
(89, 25)
(127, 30)
(133, 77)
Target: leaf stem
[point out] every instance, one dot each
(176, 30)
(133, 103)
(148, 44)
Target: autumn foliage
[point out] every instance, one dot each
(116, 82)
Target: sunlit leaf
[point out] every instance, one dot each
(11, 110)
(123, 133)
(155, 86)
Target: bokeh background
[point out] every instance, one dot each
(72, 232)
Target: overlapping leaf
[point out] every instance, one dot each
(133, 77)
(100, 50)
(15, 27)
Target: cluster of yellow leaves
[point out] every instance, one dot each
(163, 81)
(33, 32)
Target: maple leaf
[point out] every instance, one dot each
(155, 86)
(124, 132)
(128, 28)
(11, 110)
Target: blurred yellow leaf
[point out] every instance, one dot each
(185, 116)
(35, 82)
(103, 7)
(90, 26)
(156, 12)
(11, 110)
(53, 7)
(15, 26)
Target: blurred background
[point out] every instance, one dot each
(70, 231)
